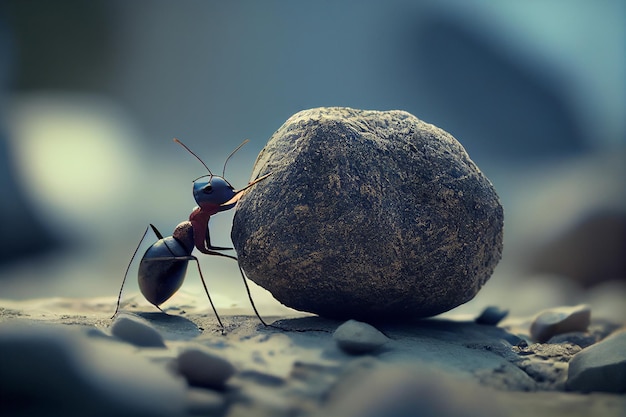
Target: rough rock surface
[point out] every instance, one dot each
(546, 363)
(368, 215)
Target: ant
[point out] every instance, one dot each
(163, 266)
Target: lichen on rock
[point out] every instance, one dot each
(368, 215)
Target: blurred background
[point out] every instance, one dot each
(92, 93)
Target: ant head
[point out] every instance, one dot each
(214, 191)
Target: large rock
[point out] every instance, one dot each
(368, 215)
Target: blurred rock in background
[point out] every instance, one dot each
(591, 251)
(504, 106)
(23, 234)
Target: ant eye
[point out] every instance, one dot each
(207, 189)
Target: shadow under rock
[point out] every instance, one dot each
(443, 329)
(460, 332)
(307, 324)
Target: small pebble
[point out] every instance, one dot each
(600, 367)
(560, 320)
(203, 368)
(136, 331)
(491, 315)
(355, 337)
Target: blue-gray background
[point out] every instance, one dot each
(93, 92)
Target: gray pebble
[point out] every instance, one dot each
(560, 320)
(355, 337)
(136, 331)
(491, 315)
(203, 368)
(600, 367)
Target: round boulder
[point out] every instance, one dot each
(368, 215)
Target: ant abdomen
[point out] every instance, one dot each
(162, 270)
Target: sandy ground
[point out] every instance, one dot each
(444, 366)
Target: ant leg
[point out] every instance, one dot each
(193, 258)
(250, 296)
(218, 248)
(207, 240)
(208, 295)
(119, 296)
(209, 252)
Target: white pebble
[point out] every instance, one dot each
(356, 337)
(137, 331)
(560, 320)
(203, 368)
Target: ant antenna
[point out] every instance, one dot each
(231, 154)
(197, 157)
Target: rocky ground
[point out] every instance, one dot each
(67, 357)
